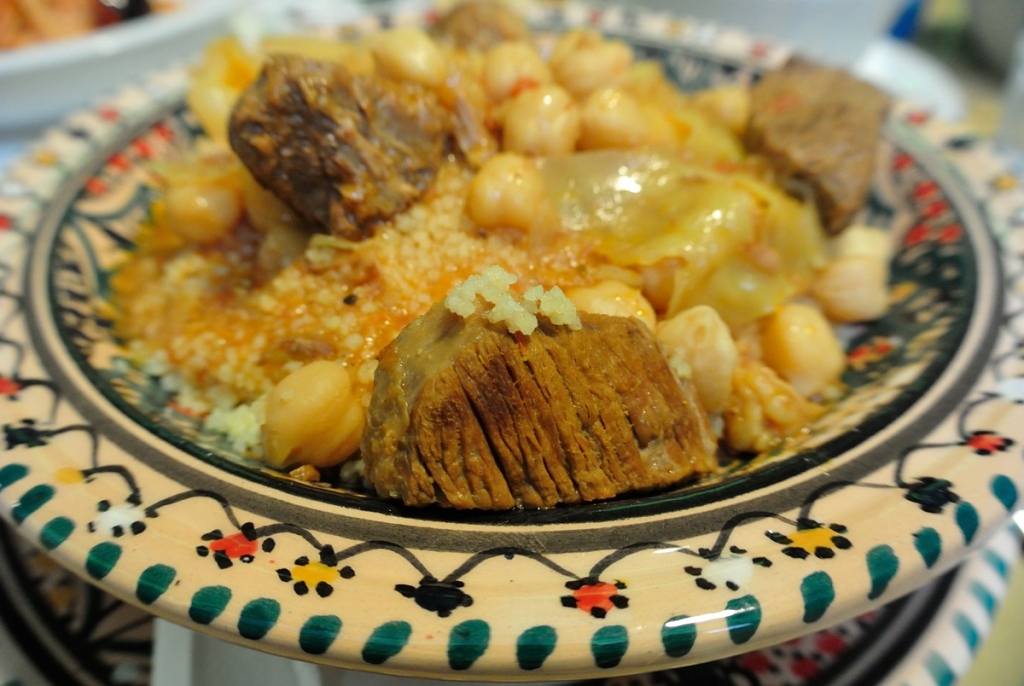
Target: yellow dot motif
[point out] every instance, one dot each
(69, 475)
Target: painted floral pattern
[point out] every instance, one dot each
(101, 468)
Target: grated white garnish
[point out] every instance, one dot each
(492, 289)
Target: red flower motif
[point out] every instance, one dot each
(432, 17)
(918, 234)
(163, 131)
(119, 162)
(95, 186)
(884, 345)
(859, 355)
(760, 49)
(757, 662)
(903, 161)
(596, 598)
(950, 234)
(143, 148)
(918, 117)
(109, 114)
(935, 209)
(599, 595)
(925, 189)
(9, 386)
(872, 351)
(5, 222)
(235, 546)
(988, 442)
(831, 644)
(595, 17)
(804, 667)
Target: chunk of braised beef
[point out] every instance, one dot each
(820, 126)
(480, 25)
(467, 415)
(344, 151)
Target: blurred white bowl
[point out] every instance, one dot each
(833, 31)
(40, 82)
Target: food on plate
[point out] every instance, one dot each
(810, 123)
(469, 266)
(23, 22)
(481, 26)
(345, 151)
(479, 409)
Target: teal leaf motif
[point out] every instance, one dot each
(55, 532)
(33, 499)
(967, 630)
(678, 635)
(940, 670)
(928, 542)
(386, 641)
(102, 559)
(609, 646)
(997, 563)
(818, 593)
(534, 646)
(153, 582)
(882, 566)
(258, 618)
(318, 633)
(744, 618)
(467, 643)
(1005, 491)
(985, 597)
(208, 603)
(967, 520)
(12, 473)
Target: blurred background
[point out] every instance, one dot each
(958, 58)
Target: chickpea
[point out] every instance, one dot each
(799, 343)
(541, 121)
(863, 241)
(512, 67)
(854, 286)
(583, 61)
(202, 214)
(707, 345)
(506, 192)
(611, 118)
(614, 298)
(407, 53)
(659, 282)
(853, 289)
(282, 244)
(727, 104)
(265, 210)
(313, 417)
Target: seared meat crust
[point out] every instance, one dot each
(480, 25)
(821, 126)
(466, 415)
(344, 151)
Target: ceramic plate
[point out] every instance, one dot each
(41, 82)
(901, 479)
(57, 629)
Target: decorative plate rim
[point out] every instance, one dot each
(43, 504)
